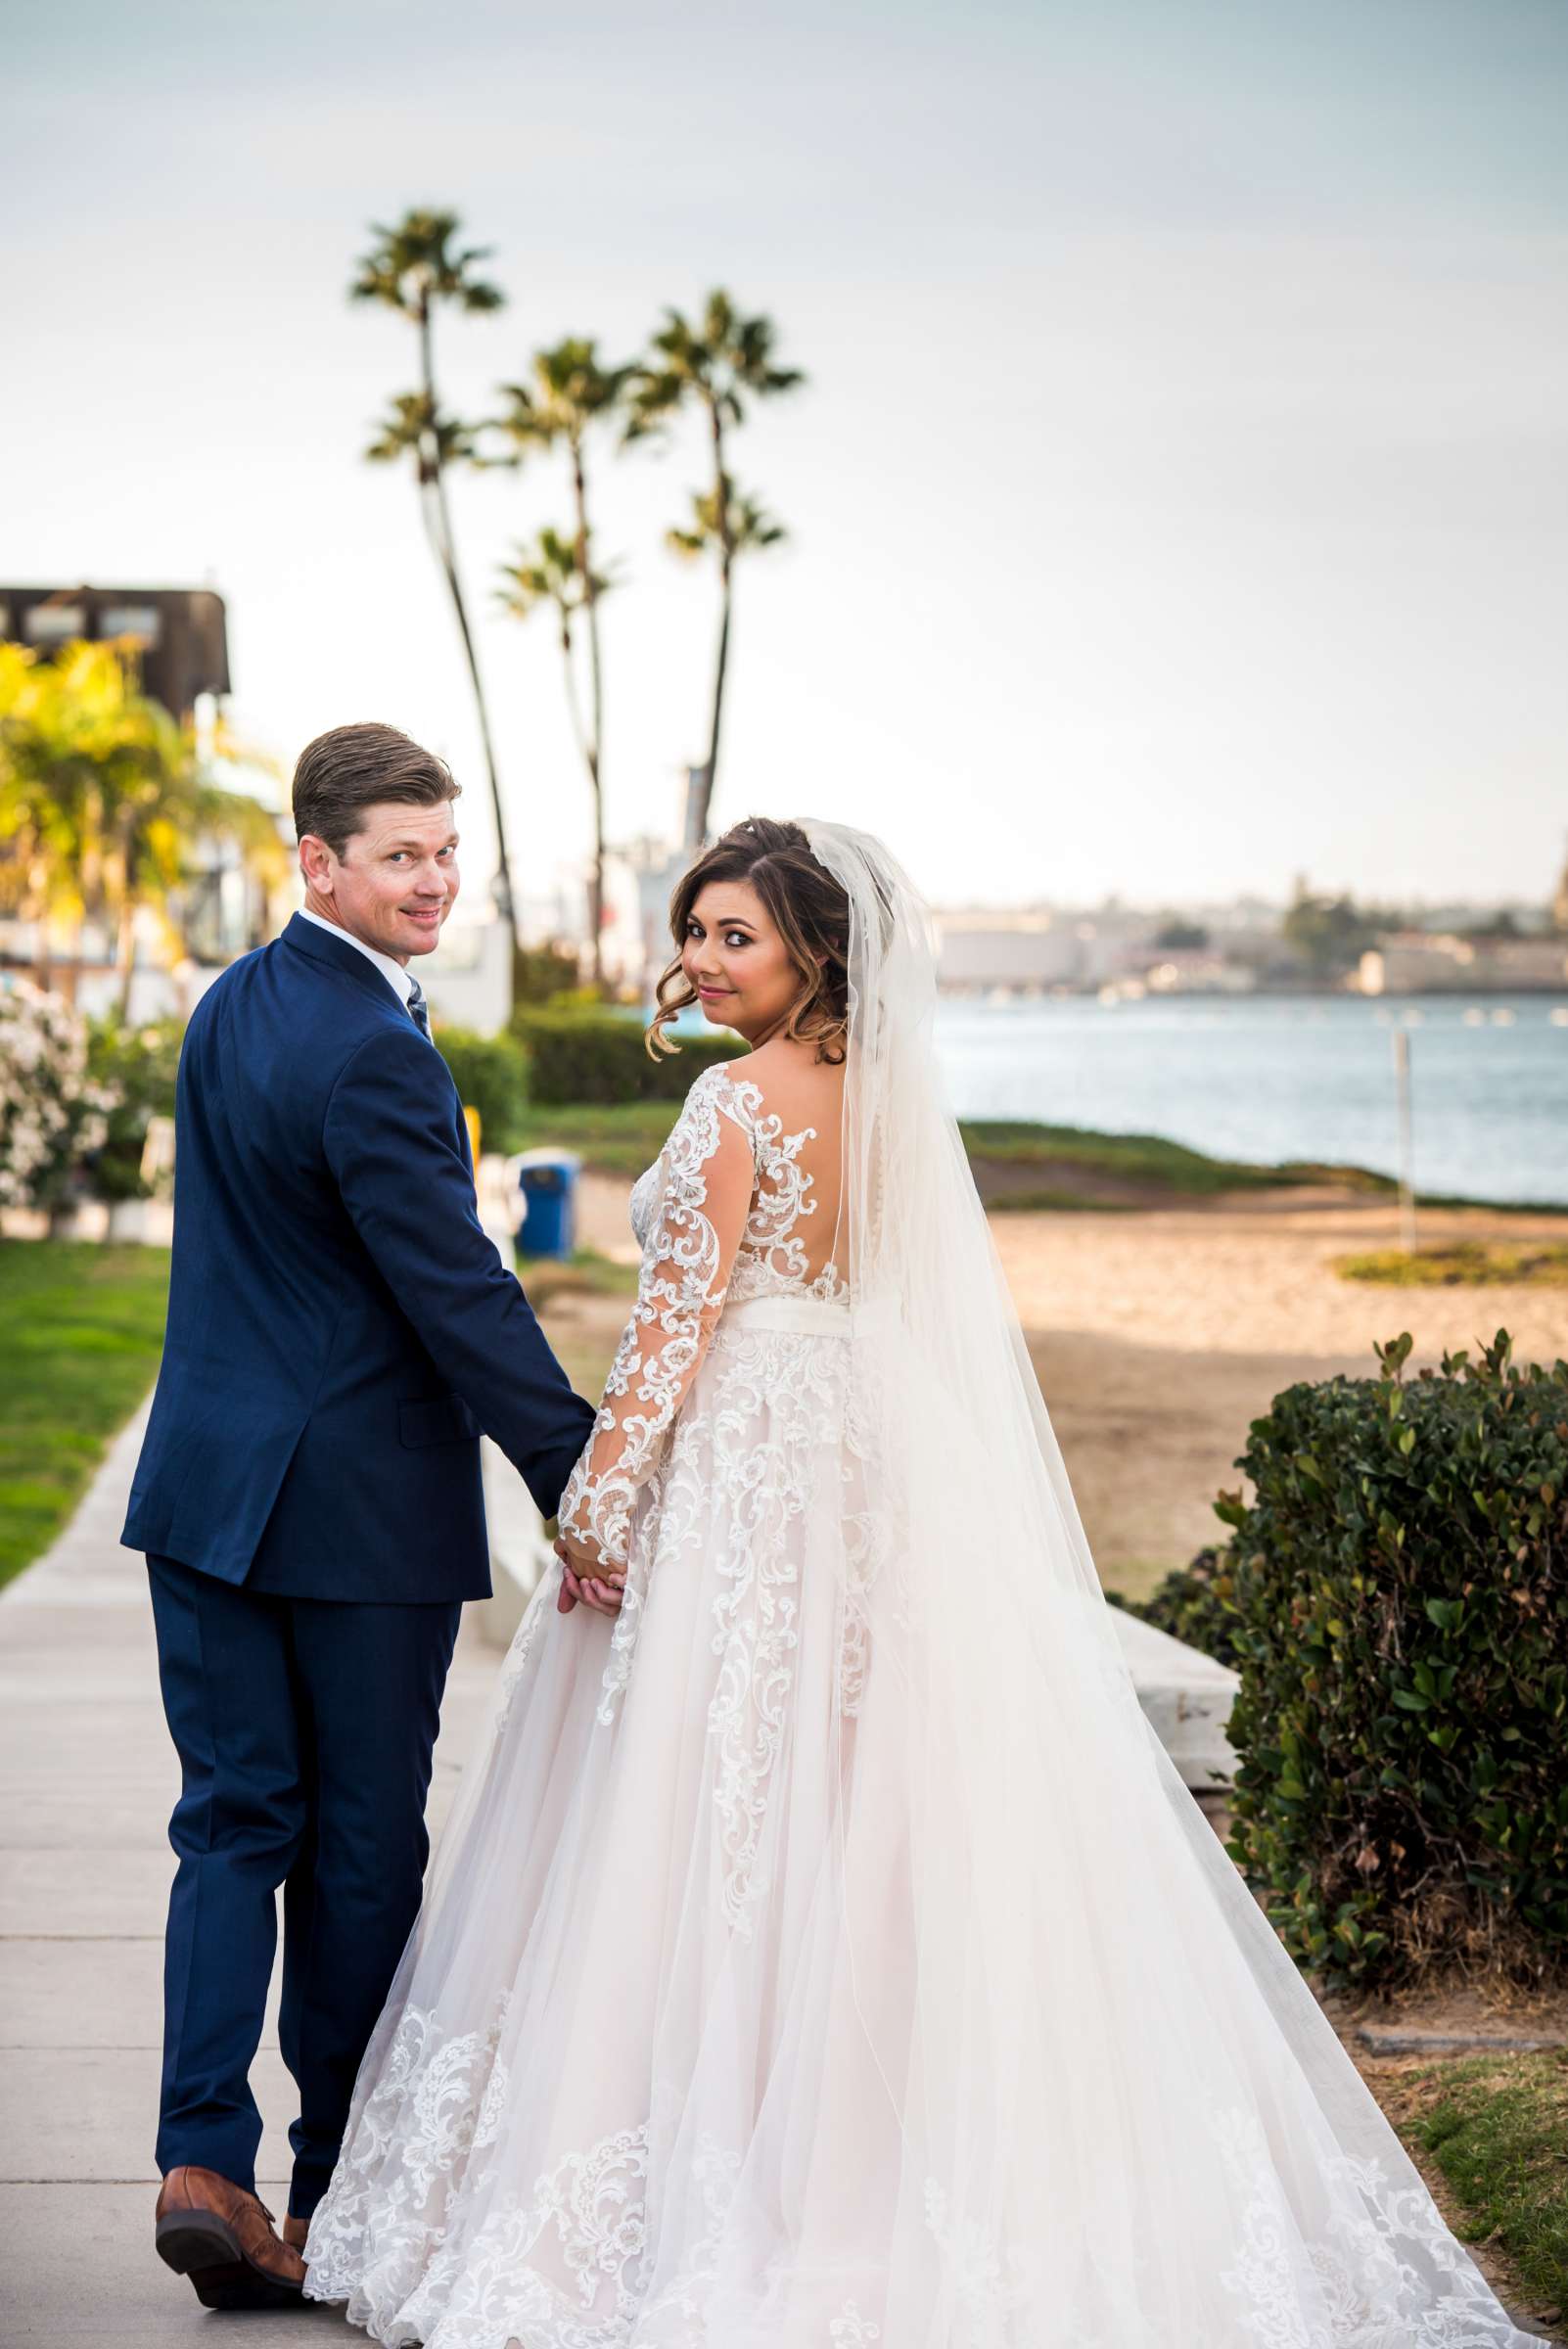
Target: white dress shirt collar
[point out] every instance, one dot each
(393, 973)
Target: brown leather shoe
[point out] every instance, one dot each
(295, 2231)
(223, 2238)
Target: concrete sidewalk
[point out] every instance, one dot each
(87, 1780)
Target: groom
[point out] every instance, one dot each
(340, 1331)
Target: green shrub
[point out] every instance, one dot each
(138, 1066)
(599, 1056)
(492, 1075)
(1195, 1604)
(1398, 1598)
(542, 973)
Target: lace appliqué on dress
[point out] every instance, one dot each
(1363, 2269)
(680, 1290)
(436, 2103)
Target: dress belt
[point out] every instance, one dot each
(803, 1316)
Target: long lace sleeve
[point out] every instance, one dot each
(708, 1176)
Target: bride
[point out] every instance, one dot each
(823, 1953)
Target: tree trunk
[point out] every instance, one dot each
(126, 959)
(727, 552)
(447, 553)
(126, 943)
(596, 893)
(590, 760)
(720, 664)
(455, 588)
(594, 749)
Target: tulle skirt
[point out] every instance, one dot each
(739, 2015)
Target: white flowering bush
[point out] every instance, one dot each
(54, 1117)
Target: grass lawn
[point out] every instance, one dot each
(1463, 1263)
(1496, 2129)
(80, 1332)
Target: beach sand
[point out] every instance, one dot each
(1159, 1335)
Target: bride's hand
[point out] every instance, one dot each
(583, 1578)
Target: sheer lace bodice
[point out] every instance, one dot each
(735, 1207)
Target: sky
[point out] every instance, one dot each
(1177, 502)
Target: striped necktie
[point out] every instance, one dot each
(419, 1009)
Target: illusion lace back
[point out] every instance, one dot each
(821, 1953)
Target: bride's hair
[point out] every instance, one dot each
(807, 908)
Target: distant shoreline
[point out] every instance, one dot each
(1024, 1166)
(1002, 996)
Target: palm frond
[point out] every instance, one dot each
(417, 262)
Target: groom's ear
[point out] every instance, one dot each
(316, 861)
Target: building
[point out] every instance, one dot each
(179, 639)
(180, 634)
(1034, 950)
(1423, 963)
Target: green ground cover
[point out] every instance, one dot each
(1463, 1263)
(80, 1331)
(1497, 2128)
(1021, 1166)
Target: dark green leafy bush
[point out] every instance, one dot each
(600, 1056)
(1399, 1604)
(492, 1075)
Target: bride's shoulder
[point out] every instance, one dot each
(725, 1088)
(784, 1077)
(766, 1089)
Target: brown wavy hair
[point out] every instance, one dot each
(807, 908)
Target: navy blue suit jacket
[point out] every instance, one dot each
(339, 1327)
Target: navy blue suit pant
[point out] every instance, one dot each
(304, 1729)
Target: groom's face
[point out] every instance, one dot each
(397, 880)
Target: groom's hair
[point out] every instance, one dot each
(350, 768)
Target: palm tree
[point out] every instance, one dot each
(414, 268)
(550, 575)
(574, 393)
(717, 365)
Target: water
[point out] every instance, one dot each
(1270, 1078)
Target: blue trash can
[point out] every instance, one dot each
(548, 1183)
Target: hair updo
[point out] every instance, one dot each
(809, 908)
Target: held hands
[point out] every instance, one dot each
(585, 1578)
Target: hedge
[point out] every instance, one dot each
(600, 1057)
(492, 1075)
(138, 1066)
(1397, 1604)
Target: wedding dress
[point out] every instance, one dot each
(825, 1953)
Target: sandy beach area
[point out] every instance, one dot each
(1159, 1335)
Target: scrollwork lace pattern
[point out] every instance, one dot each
(568, 2265)
(468, 2213)
(681, 1291)
(1383, 2273)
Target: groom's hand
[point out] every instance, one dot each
(586, 1579)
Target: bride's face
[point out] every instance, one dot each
(736, 960)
